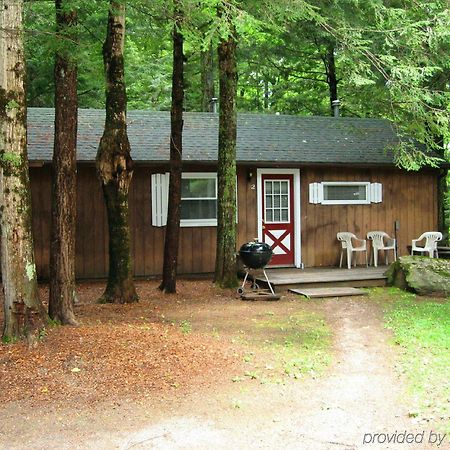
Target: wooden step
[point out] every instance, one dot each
(328, 292)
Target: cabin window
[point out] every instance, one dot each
(199, 199)
(276, 201)
(345, 193)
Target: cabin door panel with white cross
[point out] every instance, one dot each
(278, 217)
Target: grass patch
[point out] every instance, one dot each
(185, 326)
(421, 328)
(293, 346)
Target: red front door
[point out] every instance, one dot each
(278, 217)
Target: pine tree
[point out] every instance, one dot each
(24, 314)
(114, 163)
(226, 270)
(168, 283)
(62, 248)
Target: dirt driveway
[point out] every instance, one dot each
(358, 395)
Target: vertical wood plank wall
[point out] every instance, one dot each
(410, 198)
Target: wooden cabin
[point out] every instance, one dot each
(300, 181)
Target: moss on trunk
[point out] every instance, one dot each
(24, 315)
(226, 270)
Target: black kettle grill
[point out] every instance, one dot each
(255, 255)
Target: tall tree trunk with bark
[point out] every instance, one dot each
(62, 248)
(226, 270)
(114, 163)
(24, 314)
(266, 95)
(444, 204)
(168, 284)
(207, 78)
(443, 191)
(330, 67)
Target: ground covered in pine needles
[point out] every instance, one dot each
(203, 369)
(117, 351)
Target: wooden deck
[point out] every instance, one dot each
(284, 279)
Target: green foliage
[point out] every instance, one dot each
(185, 326)
(41, 45)
(422, 330)
(148, 58)
(391, 59)
(9, 339)
(402, 48)
(410, 158)
(42, 334)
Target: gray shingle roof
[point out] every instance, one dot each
(261, 138)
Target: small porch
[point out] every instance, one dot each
(283, 279)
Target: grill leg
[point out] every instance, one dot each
(245, 278)
(268, 282)
(241, 290)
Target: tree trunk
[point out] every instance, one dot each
(62, 247)
(443, 191)
(330, 67)
(114, 163)
(207, 78)
(266, 95)
(226, 270)
(443, 204)
(168, 284)
(24, 314)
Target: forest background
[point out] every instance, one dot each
(379, 58)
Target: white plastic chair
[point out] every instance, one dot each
(430, 246)
(381, 241)
(346, 239)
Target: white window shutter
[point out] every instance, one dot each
(319, 193)
(160, 197)
(315, 193)
(376, 192)
(311, 192)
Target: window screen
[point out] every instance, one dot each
(344, 192)
(276, 204)
(199, 198)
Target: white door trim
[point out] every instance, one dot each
(297, 230)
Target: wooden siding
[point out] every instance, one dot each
(197, 244)
(410, 198)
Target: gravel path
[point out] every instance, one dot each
(361, 395)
